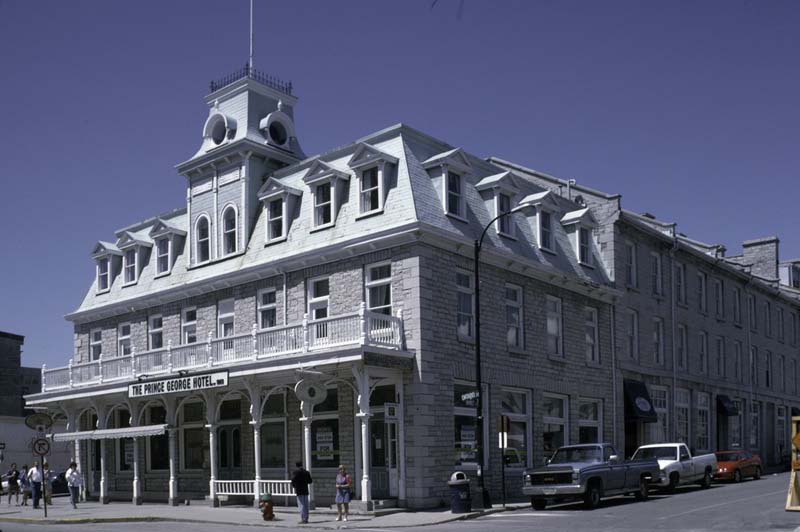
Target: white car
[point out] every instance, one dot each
(678, 465)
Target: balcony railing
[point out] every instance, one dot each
(359, 328)
(252, 73)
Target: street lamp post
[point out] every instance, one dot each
(487, 501)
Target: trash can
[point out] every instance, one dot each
(460, 497)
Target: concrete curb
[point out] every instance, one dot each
(279, 523)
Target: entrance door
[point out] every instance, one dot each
(383, 457)
(229, 453)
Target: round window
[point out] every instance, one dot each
(277, 133)
(218, 131)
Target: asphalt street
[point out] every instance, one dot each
(749, 506)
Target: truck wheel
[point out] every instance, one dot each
(674, 480)
(591, 498)
(706, 482)
(757, 474)
(538, 503)
(643, 493)
(737, 476)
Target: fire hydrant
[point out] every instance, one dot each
(265, 503)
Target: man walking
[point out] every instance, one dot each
(13, 483)
(35, 476)
(300, 481)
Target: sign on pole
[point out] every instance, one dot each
(39, 421)
(41, 446)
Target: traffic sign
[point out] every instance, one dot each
(41, 446)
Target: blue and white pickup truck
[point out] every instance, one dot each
(588, 472)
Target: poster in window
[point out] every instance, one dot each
(128, 450)
(325, 443)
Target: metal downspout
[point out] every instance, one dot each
(614, 373)
(673, 328)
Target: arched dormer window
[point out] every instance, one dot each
(229, 231)
(202, 240)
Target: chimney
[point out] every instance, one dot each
(762, 255)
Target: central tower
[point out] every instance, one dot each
(248, 134)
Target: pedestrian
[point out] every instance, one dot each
(35, 476)
(13, 483)
(47, 483)
(25, 483)
(74, 482)
(343, 486)
(300, 482)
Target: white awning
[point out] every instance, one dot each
(112, 434)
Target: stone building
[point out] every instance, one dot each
(710, 341)
(322, 309)
(15, 379)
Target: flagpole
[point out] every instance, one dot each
(251, 36)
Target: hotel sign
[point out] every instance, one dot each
(187, 383)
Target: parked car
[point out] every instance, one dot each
(588, 472)
(735, 465)
(678, 465)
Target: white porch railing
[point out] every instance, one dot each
(359, 328)
(276, 488)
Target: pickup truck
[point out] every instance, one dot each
(678, 465)
(588, 472)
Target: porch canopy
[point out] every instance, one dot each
(112, 434)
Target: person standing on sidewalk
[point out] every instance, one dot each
(74, 482)
(300, 482)
(343, 485)
(25, 482)
(48, 476)
(35, 476)
(13, 483)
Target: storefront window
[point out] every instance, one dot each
(193, 442)
(682, 415)
(658, 432)
(124, 445)
(755, 424)
(735, 424)
(589, 421)
(554, 432)
(159, 445)
(465, 402)
(325, 432)
(514, 404)
(273, 445)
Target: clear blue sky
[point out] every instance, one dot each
(690, 109)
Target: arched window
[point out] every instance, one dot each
(203, 240)
(229, 231)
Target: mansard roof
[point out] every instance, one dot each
(366, 154)
(273, 187)
(413, 204)
(320, 170)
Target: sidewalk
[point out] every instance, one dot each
(93, 512)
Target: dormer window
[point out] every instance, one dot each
(370, 166)
(455, 195)
(323, 205)
(103, 274)
(279, 201)
(163, 256)
(229, 231)
(327, 186)
(275, 219)
(370, 191)
(129, 266)
(584, 246)
(579, 225)
(165, 235)
(203, 242)
(505, 224)
(545, 230)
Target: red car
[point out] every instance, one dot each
(735, 465)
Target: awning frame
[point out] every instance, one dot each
(112, 434)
